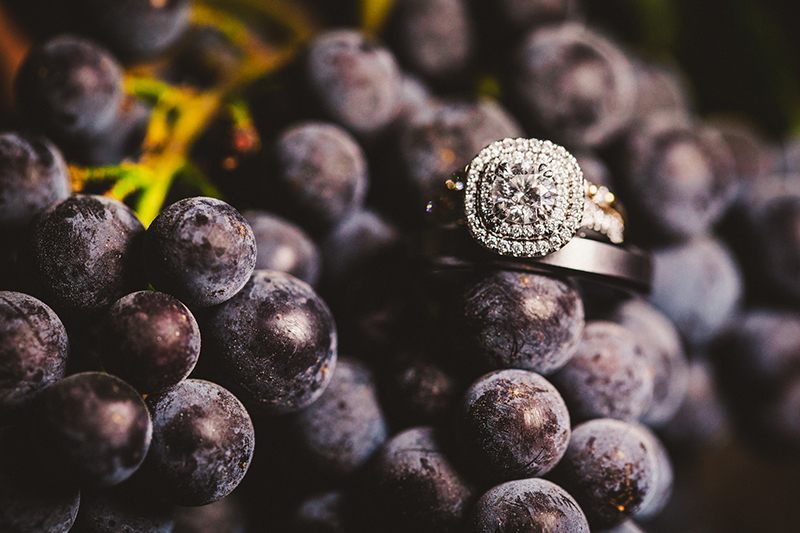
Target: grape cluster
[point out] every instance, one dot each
(213, 318)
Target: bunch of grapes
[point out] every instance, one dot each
(214, 316)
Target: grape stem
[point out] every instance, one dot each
(180, 114)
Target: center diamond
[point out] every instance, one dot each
(523, 195)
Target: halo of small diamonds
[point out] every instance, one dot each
(524, 197)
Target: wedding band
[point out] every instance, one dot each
(527, 205)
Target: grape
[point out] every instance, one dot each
(84, 254)
(521, 320)
(610, 468)
(320, 514)
(341, 430)
(70, 90)
(355, 79)
(33, 351)
(594, 170)
(575, 84)
(30, 500)
(528, 505)
(222, 516)
(357, 243)
(416, 101)
(414, 486)
(659, 88)
(419, 391)
(274, 342)
(513, 424)
(658, 496)
(433, 147)
(680, 176)
(752, 156)
(129, 509)
(281, 245)
(662, 346)
(772, 246)
(702, 420)
(200, 250)
(626, 527)
(698, 285)
(205, 59)
(33, 175)
(322, 175)
(134, 29)
(149, 339)
(608, 376)
(95, 427)
(434, 37)
(203, 441)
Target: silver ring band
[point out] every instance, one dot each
(524, 205)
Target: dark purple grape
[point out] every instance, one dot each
(608, 377)
(679, 176)
(33, 351)
(85, 253)
(124, 141)
(205, 59)
(662, 347)
(701, 423)
(575, 84)
(134, 29)
(200, 250)
(203, 441)
(528, 505)
(355, 79)
(779, 418)
(222, 516)
(320, 513)
(521, 320)
(416, 101)
(128, 509)
(322, 175)
(342, 429)
(751, 155)
(70, 90)
(281, 245)
(95, 427)
(610, 468)
(420, 392)
(30, 500)
(433, 37)
(149, 339)
(356, 243)
(513, 424)
(659, 88)
(274, 342)
(659, 494)
(772, 245)
(698, 285)
(414, 486)
(433, 147)
(758, 362)
(594, 170)
(760, 349)
(627, 526)
(33, 175)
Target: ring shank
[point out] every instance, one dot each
(453, 247)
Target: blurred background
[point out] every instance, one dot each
(739, 59)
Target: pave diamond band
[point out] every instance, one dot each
(526, 203)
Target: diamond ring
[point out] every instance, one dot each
(526, 203)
